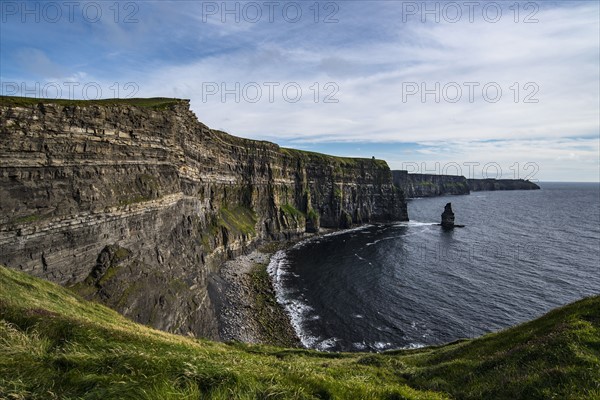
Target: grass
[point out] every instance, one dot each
(27, 219)
(238, 219)
(55, 345)
(313, 216)
(154, 102)
(292, 212)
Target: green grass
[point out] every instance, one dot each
(55, 345)
(292, 212)
(154, 102)
(238, 220)
(312, 215)
(27, 219)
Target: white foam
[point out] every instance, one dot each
(412, 346)
(359, 345)
(297, 310)
(359, 257)
(344, 231)
(317, 239)
(414, 223)
(327, 344)
(382, 345)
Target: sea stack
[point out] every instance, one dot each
(448, 217)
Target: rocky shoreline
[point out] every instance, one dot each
(246, 306)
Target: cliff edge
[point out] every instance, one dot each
(431, 185)
(135, 202)
(501, 184)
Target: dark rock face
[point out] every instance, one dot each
(135, 207)
(427, 185)
(448, 217)
(501, 184)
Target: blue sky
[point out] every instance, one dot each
(376, 78)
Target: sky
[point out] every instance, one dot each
(481, 89)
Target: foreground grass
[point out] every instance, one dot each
(53, 344)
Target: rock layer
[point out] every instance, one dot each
(135, 206)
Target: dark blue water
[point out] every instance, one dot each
(412, 284)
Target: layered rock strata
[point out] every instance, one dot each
(136, 205)
(429, 185)
(476, 185)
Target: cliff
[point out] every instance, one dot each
(134, 203)
(501, 184)
(427, 185)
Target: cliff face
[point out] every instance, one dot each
(501, 184)
(427, 185)
(135, 206)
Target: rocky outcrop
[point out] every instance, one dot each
(501, 184)
(427, 185)
(448, 217)
(135, 204)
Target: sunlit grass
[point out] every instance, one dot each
(55, 345)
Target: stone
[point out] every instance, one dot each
(448, 217)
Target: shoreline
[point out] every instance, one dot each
(245, 301)
(245, 298)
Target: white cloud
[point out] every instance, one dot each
(559, 55)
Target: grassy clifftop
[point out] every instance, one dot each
(153, 102)
(53, 344)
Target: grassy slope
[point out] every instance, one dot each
(56, 345)
(53, 344)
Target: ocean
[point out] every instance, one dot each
(412, 284)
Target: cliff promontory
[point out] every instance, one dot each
(429, 185)
(135, 203)
(477, 185)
